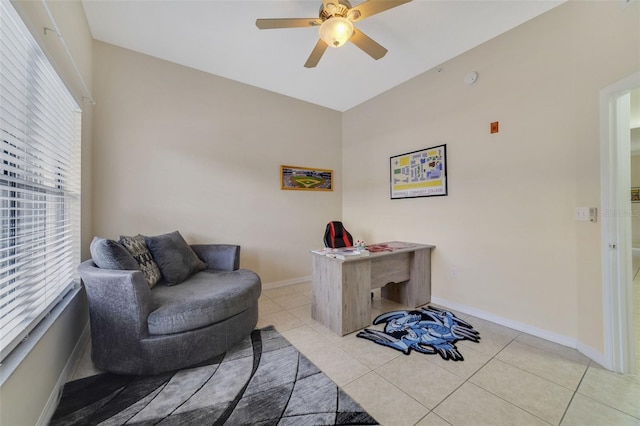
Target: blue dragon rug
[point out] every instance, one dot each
(427, 330)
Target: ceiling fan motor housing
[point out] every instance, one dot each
(336, 18)
(339, 8)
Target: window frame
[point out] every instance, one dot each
(40, 142)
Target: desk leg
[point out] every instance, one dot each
(341, 294)
(327, 293)
(420, 281)
(356, 295)
(417, 290)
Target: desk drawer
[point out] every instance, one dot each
(393, 268)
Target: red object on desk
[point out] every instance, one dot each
(375, 248)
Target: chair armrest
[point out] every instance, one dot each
(118, 299)
(223, 257)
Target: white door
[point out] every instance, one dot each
(615, 103)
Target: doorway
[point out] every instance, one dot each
(617, 234)
(634, 118)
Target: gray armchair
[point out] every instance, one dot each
(140, 330)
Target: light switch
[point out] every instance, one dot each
(582, 213)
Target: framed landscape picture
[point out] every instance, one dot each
(304, 178)
(419, 173)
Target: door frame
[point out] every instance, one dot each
(619, 349)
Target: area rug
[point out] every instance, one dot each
(262, 381)
(427, 330)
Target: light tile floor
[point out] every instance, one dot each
(509, 378)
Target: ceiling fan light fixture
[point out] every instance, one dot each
(336, 31)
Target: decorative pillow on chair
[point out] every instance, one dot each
(176, 260)
(109, 254)
(138, 249)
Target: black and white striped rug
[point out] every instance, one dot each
(262, 381)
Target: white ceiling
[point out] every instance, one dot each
(220, 37)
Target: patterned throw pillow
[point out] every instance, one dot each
(138, 249)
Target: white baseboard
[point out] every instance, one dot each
(69, 368)
(589, 352)
(525, 328)
(292, 281)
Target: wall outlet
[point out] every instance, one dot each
(454, 272)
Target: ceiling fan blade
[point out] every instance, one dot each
(372, 7)
(268, 24)
(370, 47)
(316, 54)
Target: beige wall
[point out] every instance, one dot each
(507, 224)
(179, 149)
(29, 394)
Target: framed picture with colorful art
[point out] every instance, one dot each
(420, 173)
(305, 178)
(635, 194)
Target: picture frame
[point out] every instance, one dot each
(635, 194)
(305, 178)
(421, 173)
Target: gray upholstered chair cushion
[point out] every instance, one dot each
(223, 257)
(174, 257)
(206, 298)
(138, 249)
(109, 254)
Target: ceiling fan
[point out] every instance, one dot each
(336, 26)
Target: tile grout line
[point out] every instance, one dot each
(498, 396)
(544, 378)
(404, 393)
(566, 410)
(468, 378)
(596, 400)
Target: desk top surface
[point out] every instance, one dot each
(375, 250)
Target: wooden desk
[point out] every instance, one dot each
(342, 288)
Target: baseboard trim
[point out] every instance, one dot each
(284, 283)
(592, 353)
(525, 328)
(67, 372)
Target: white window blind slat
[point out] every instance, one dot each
(22, 185)
(28, 267)
(29, 313)
(39, 183)
(30, 295)
(38, 135)
(37, 273)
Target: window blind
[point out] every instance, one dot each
(39, 183)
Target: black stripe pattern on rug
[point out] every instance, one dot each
(262, 381)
